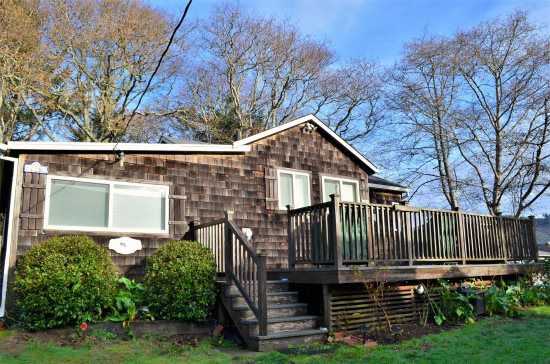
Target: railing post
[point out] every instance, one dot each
(461, 239)
(290, 239)
(193, 229)
(503, 240)
(335, 233)
(262, 294)
(534, 247)
(408, 231)
(228, 237)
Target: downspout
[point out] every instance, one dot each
(8, 238)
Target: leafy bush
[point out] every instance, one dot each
(180, 281)
(508, 299)
(502, 301)
(65, 280)
(454, 306)
(128, 302)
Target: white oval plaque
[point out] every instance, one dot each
(125, 245)
(35, 167)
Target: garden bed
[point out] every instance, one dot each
(160, 327)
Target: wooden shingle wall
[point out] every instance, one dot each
(385, 197)
(202, 187)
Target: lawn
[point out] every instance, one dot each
(492, 340)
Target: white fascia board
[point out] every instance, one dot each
(388, 188)
(3, 147)
(308, 118)
(126, 147)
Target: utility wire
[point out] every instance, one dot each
(153, 74)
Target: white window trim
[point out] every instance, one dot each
(293, 173)
(340, 180)
(109, 228)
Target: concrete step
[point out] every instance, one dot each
(274, 310)
(283, 324)
(272, 297)
(281, 340)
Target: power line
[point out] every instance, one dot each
(154, 73)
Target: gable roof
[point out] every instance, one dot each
(169, 144)
(166, 139)
(318, 123)
(377, 183)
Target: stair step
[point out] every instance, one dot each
(280, 335)
(283, 324)
(272, 297)
(277, 286)
(272, 286)
(280, 340)
(275, 310)
(273, 306)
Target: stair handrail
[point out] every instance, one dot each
(251, 281)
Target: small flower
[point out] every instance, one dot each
(83, 326)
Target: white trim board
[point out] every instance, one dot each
(377, 186)
(318, 123)
(8, 237)
(126, 147)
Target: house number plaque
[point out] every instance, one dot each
(125, 245)
(35, 167)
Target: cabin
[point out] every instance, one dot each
(296, 218)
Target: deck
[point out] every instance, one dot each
(337, 242)
(360, 274)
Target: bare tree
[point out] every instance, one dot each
(20, 67)
(350, 99)
(103, 53)
(503, 136)
(259, 70)
(250, 73)
(423, 96)
(533, 180)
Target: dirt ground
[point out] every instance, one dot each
(73, 337)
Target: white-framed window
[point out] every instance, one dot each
(293, 188)
(348, 189)
(84, 204)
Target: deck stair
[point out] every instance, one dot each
(266, 313)
(288, 322)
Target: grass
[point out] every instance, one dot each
(492, 340)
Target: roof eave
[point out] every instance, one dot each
(126, 147)
(377, 186)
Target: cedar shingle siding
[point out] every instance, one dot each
(385, 197)
(211, 185)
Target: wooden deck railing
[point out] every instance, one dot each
(242, 266)
(344, 233)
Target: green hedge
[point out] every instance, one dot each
(180, 280)
(65, 280)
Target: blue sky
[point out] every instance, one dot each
(377, 28)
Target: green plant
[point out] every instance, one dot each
(508, 299)
(498, 302)
(128, 302)
(103, 335)
(453, 305)
(63, 281)
(180, 281)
